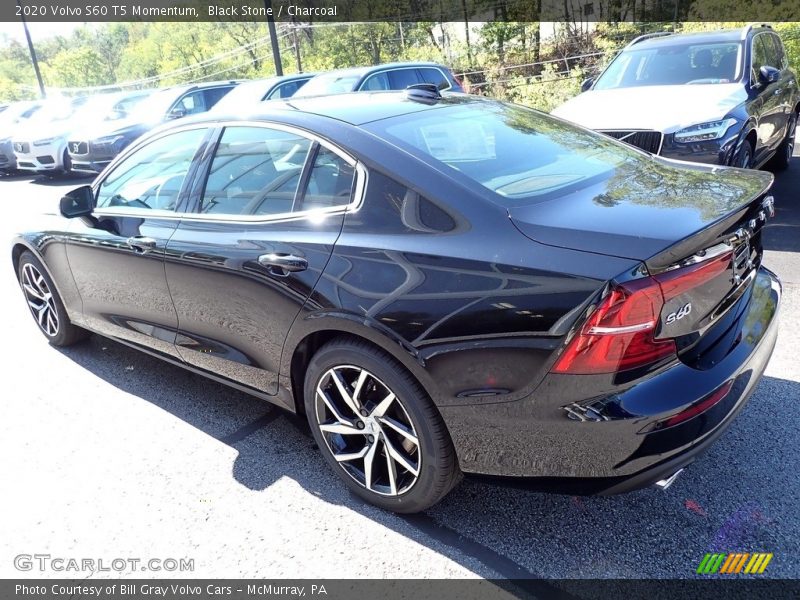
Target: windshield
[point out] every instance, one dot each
(249, 92)
(679, 64)
(330, 83)
(155, 106)
(519, 154)
(19, 111)
(57, 110)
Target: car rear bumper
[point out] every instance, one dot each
(553, 441)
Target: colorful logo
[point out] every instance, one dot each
(734, 562)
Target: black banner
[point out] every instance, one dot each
(403, 589)
(399, 10)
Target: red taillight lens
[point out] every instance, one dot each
(677, 282)
(620, 333)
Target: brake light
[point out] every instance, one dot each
(620, 334)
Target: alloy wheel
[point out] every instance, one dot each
(40, 299)
(790, 140)
(367, 430)
(744, 158)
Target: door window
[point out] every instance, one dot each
(255, 171)
(287, 90)
(213, 95)
(191, 104)
(152, 176)
(434, 76)
(400, 79)
(761, 56)
(330, 182)
(377, 82)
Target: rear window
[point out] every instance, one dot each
(519, 154)
(331, 83)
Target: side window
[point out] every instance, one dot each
(151, 177)
(400, 79)
(771, 51)
(286, 90)
(330, 182)
(435, 76)
(379, 81)
(759, 56)
(255, 171)
(191, 103)
(780, 53)
(214, 95)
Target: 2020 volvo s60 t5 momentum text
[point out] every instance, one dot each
(442, 285)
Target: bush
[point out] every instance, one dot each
(548, 91)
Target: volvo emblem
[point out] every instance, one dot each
(75, 147)
(18, 147)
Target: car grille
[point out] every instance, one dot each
(78, 147)
(646, 140)
(21, 147)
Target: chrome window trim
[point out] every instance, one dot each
(359, 190)
(373, 73)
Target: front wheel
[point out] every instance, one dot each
(744, 156)
(45, 304)
(377, 428)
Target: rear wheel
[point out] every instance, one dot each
(377, 428)
(783, 157)
(45, 304)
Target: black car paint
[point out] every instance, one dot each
(478, 323)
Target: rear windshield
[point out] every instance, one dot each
(679, 64)
(519, 154)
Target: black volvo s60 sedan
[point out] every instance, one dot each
(442, 285)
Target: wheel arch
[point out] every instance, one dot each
(302, 345)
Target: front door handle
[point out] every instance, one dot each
(140, 243)
(281, 260)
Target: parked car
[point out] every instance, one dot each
(260, 90)
(91, 149)
(41, 146)
(391, 76)
(724, 97)
(440, 284)
(12, 119)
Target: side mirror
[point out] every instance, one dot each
(177, 113)
(78, 202)
(768, 74)
(587, 83)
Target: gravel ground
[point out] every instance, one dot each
(110, 453)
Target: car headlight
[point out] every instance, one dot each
(45, 141)
(109, 140)
(702, 132)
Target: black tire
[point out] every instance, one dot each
(744, 156)
(66, 163)
(65, 333)
(783, 156)
(434, 455)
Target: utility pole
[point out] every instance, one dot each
(33, 52)
(296, 47)
(273, 38)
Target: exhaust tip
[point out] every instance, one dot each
(663, 484)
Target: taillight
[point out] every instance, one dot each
(620, 334)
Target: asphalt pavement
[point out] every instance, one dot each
(109, 453)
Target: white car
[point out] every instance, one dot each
(41, 146)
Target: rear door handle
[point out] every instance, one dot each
(281, 260)
(140, 243)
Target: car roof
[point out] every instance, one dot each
(698, 37)
(355, 108)
(382, 67)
